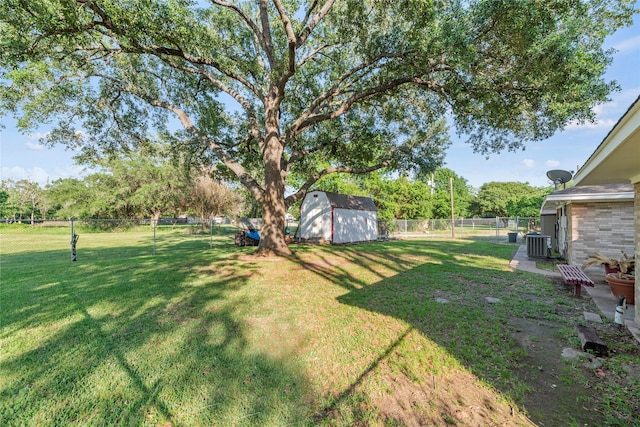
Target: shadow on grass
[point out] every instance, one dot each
(142, 339)
(441, 294)
(146, 340)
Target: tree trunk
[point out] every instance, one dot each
(272, 236)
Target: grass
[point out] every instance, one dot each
(200, 334)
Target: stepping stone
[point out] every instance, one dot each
(491, 300)
(590, 361)
(592, 317)
(442, 301)
(573, 354)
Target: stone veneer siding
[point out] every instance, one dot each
(600, 227)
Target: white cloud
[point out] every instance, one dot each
(40, 175)
(38, 135)
(608, 114)
(628, 45)
(16, 173)
(529, 163)
(34, 146)
(552, 163)
(598, 124)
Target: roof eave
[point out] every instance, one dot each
(553, 201)
(615, 160)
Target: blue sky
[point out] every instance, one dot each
(21, 157)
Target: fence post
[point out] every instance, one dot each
(74, 240)
(154, 223)
(210, 233)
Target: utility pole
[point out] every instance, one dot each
(453, 221)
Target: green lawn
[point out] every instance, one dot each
(202, 334)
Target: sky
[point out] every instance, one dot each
(22, 157)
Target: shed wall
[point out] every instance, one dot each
(354, 226)
(315, 217)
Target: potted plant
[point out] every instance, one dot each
(624, 265)
(619, 274)
(622, 284)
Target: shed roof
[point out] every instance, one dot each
(587, 193)
(343, 201)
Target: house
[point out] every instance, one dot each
(584, 219)
(337, 218)
(617, 161)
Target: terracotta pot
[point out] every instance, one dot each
(622, 286)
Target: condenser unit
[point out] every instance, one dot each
(538, 245)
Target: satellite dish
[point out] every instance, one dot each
(559, 177)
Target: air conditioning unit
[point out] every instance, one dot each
(538, 245)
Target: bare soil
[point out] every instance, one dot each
(456, 399)
(556, 396)
(566, 386)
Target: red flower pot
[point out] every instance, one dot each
(622, 286)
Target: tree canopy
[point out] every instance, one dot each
(509, 199)
(269, 88)
(126, 186)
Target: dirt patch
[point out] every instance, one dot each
(260, 258)
(554, 383)
(561, 389)
(455, 399)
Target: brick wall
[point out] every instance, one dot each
(600, 227)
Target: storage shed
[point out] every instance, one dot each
(337, 218)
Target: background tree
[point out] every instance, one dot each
(4, 197)
(210, 198)
(142, 185)
(442, 194)
(402, 198)
(509, 199)
(342, 183)
(529, 204)
(25, 198)
(395, 197)
(70, 198)
(271, 88)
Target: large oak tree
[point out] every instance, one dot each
(270, 88)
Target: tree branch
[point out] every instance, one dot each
(265, 40)
(266, 34)
(346, 105)
(161, 51)
(242, 174)
(312, 55)
(298, 125)
(304, 34)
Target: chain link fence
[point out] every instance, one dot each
(498, 227)
(114, 238)
(111, 238)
